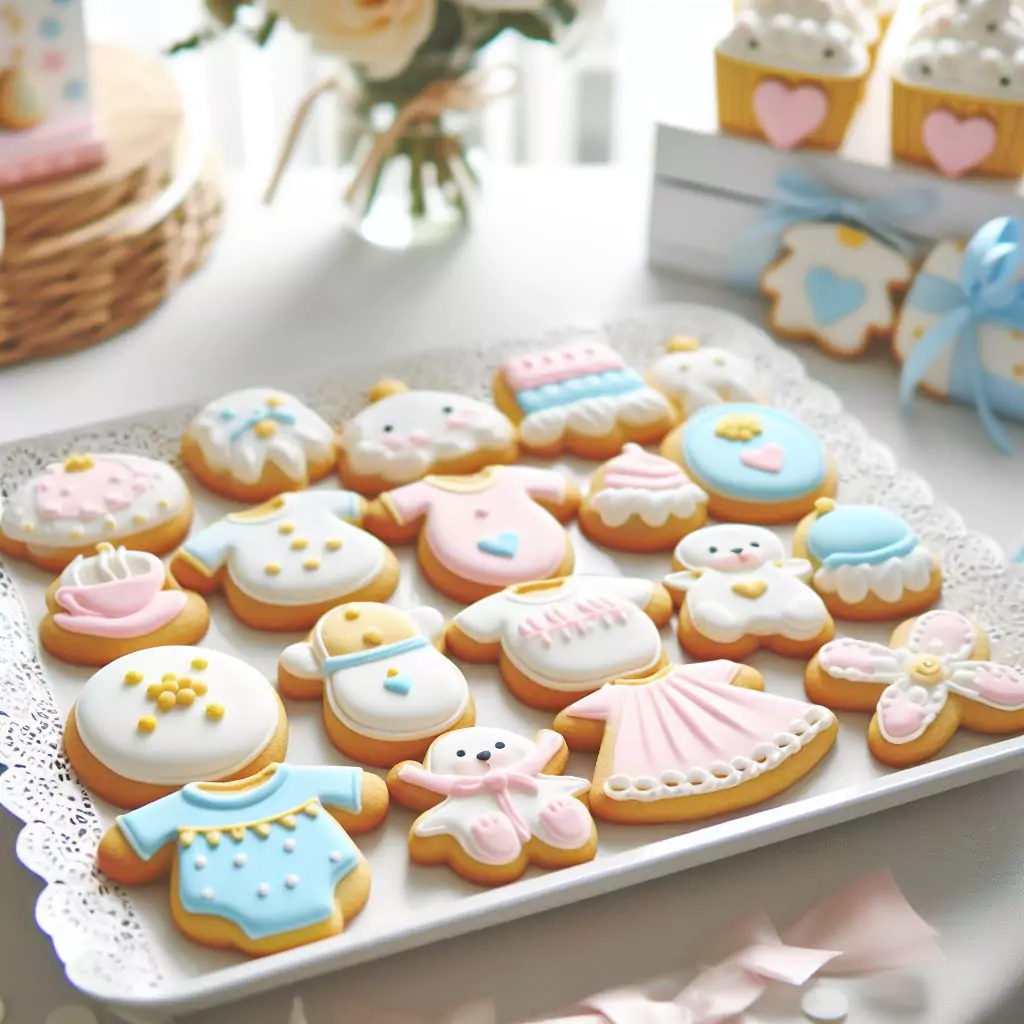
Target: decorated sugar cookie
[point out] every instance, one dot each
(837, 286)
(405, 434)
(73, 505)
(932, 679)
(388, 691)
(150, 722)
(739, 592)
(259, 865)
(251, 445)
(115, 602)
(695, 376)
(693, 741)
(494, 802)
(756, 464)
(482, 532)
(582, 399)
(555, 640)
(286, 562)
(641, 502)
(868, 563)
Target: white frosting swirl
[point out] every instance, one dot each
(888, 580)
(998, 23)
(616, 504)
(963, 66)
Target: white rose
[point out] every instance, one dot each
(380, 36)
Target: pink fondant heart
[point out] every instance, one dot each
(957, 146)
(769, 458)
(788, 114)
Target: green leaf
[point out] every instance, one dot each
(531, 26)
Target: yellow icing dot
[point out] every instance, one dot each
(154, 690)
(76, 532)
(212, 837)
(738, 426)
(271, 568)
(215, 711)
(168, 677)
(917, 333)
(163, 504)
(274, 402)
(265, 428)
(78, 463)
(199, 663)
(392, 672)
(109, 523)
(351, 614)
(286, 528)
(28, 527)
(682, 343)
(139, 518)
(166, 700)
(849, 237)
(186, 698)
(311, 809)
(311, 564)
(1018, 370)
(824, 505)
(373, 638)
(186, 837)
(171, 686)
(1017, 335)
(299, 544)
(288, 820)
(333, 544)
(133, 678)
(238, 834)
(147, 723)
(199, 687)
(261, 829)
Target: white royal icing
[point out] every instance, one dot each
(107, 565)
(186, 744)
(889, 580)
(240, 433)
(991, 68)
(571, 634)
(594, 417)
(706, 376)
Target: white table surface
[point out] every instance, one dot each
(287, 292)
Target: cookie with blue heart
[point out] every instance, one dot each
(835, 286)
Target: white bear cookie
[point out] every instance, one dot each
(405, 434)
(495, 802)
(739, 593)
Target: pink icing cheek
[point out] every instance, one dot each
(396, 442)
(727, 561)
(458, 419)
(420, 437)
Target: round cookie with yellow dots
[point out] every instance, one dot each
(252, 444)
(153, 721)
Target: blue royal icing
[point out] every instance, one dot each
(400, 684)
(504, 545)
(339, 662)
(610, 383)
(716, 460)
(832, 297)
(859, 534)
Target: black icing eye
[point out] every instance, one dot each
(992, 26)
(926, 69)
(460, 753)
(755, 544)
(753, 44)
(447, 409)
(499, 745)
(712, 551)
(388, 428)
(1006, 81)
(828, 53)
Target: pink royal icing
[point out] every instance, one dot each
(768, 458)
(556, 365)
(958, 146)
(103, 485)
(901, 717)
(789, 114)
(638, 468)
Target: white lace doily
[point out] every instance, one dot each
(95, 927)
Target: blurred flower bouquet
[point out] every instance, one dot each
(416, 85)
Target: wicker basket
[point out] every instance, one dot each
(90, 255)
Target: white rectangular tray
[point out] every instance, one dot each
(120, 946)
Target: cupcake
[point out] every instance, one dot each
(792, 80)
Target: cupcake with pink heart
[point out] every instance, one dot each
(791, 72)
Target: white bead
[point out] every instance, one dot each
(289, 846)
(200, 862)
(291, 881)
(335, 856)
(263, 889)
(240, 860)
(207, 894)
(825, 1005)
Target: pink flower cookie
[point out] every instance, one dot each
(932, 679)
(494, 802)
(71, 506)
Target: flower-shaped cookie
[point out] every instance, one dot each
(930, 680)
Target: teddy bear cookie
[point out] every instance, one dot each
(482, 532)
(287, 561)
(932, 679)
(68, 508)
(150, 722)
(388, 691)
(556, 640)
(404, 434)
(581, 399)
(259, 865)
(641, 502)
(836, 286)
(739, 593)
(494, 802)
(251, 445)
(868, 563)
(693, 741)
(755, 463)
(694, 376)
(116, 602)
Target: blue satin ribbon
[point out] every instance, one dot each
(989, 291)
(797, 199)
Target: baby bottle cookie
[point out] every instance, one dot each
(286, 562)
(388, 691)
(739, 593)
(494, 802)
(555, 640)
(115, 602)
(152, 721)
(260, 865)
(405, 434)
(251, 445)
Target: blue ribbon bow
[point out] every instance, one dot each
(797, 199)
(989, 291)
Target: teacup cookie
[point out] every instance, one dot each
(251, 445)
(693, 741)
(115, 602)
(556, 640)
(286, 562)
(388, 691)
(495, 802)
(694, 376)
(68, 508)
(582, 399)
(868, 563)
(405, 434)
(259, 865)
(482, 532)
(740, 593)
(152, 721)
(756, 464)
(932, 679)
(641, 502)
